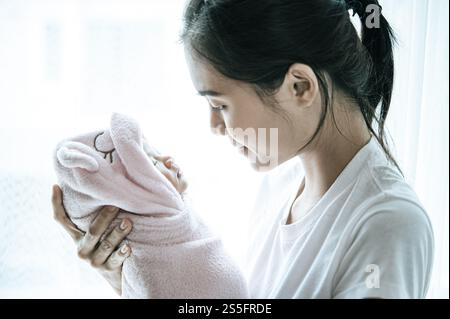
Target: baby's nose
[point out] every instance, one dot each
(170, 163)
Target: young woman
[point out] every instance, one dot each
(336, 218)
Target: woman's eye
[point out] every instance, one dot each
(218, 108)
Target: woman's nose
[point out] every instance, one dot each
(217, 124)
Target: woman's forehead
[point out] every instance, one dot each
(205, 77)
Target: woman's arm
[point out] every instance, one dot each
(105, 255)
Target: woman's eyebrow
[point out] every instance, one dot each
(209, 93)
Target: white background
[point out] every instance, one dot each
(66, 65)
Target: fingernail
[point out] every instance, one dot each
(112, 209)
(124, 249)
(124, 224)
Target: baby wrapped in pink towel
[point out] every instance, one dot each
(174, 255)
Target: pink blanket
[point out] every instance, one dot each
(174, 255)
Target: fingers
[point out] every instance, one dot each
(118, 257)
(59, 213)
(99, 225)
(110, 243)
(106, 256)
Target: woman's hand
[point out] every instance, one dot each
(105, 255)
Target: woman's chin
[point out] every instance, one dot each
(262, 166)
(257, 164)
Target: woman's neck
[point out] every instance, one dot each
(327, 156)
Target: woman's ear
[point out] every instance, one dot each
(302, 83)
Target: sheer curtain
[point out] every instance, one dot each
(418, 120)
(65, 65)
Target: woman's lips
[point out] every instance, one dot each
(243, 150)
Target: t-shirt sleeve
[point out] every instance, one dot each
(390, 254)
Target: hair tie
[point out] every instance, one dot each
(359, 8)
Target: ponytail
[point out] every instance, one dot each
(378, 38)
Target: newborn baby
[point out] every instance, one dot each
(174, 255)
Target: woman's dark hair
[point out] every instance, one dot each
(256, 41)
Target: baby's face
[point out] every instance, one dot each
(167, 166)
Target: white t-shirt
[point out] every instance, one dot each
(367, 237)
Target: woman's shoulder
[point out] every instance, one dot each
(386, 198)
(394, 210)
(381, 182)
(391, 204)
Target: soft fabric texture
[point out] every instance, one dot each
(367, 237)
(174, 255)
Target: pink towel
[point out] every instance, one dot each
(174, 255)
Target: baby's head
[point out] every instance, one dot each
(114, 167)
(167, 167)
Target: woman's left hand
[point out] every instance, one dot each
(108, 255)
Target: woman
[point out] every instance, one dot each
(336, 218)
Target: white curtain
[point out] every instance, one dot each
(418, 120)
(65, 65)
